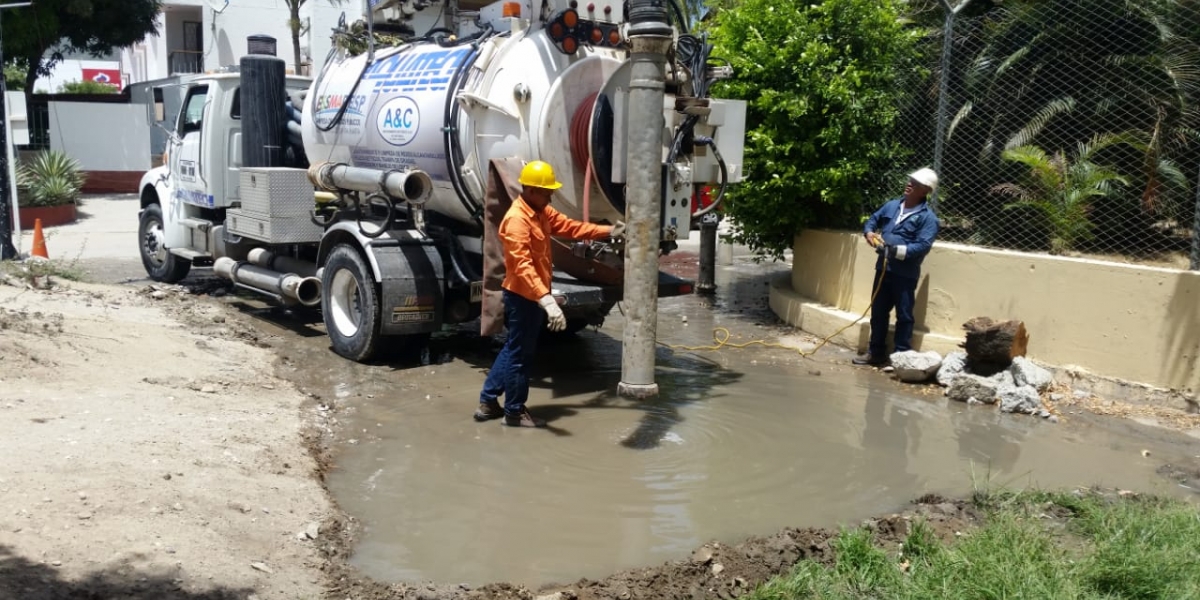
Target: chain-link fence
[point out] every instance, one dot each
(1064, 126)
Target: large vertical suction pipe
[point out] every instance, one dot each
(285, 286)
(650, 37)
(264, 98)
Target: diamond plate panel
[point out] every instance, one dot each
(271, 192)
(278, 230)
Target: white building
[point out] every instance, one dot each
(196, 36)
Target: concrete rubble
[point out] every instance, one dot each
(916, 367)
(1016, 389)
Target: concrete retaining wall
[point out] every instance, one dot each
(1131, 322)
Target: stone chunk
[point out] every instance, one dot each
(953, 365)
(1026, 372)
(967, 386)
(1019, 399)
(916, 367)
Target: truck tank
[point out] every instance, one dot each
(449, 109)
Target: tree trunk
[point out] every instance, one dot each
(31, 76)
(991, 345)
(294, 26)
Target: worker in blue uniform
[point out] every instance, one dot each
(902, 232)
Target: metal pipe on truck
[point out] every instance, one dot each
(285, 286)
(411, 186)
(284, 264)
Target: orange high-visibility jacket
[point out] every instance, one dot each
(526, 237)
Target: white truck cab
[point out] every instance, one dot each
(185, 197)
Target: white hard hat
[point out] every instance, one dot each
(925, 177)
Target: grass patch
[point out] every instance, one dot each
(40, 274)
(1030, 545)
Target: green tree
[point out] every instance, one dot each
(14, 77)
(39, 34)
(824, 82)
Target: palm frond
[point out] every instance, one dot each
(1040, 120)
(1013, 190)
(959, 117)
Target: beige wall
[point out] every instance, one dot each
(1126, 321)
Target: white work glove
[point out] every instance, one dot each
(555, 319)
(618, 230)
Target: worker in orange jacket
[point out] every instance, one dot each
(528, 304)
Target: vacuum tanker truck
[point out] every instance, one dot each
(368, 191)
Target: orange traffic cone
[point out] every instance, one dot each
(39, 241)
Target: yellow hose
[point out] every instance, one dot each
(721, 335)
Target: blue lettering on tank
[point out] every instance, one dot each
(417, 70)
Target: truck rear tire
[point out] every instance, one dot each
(350, 304)
(160, 264)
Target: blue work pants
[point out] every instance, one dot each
(892, 292)
(509, 375)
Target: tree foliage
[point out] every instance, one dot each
(87, 87)
(824, 82)
(1058, 73)
(41, 33)
(1061, 188)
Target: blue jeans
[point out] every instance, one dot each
(893, 292)
(509, 375)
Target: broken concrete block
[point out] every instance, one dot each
(1026, 372)
(1022, 399)
(916, 367)
(953, 365)
(967, 386)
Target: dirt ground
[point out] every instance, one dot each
(151, 452)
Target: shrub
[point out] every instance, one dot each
(87, 87)
(51, 179)
(824, 83)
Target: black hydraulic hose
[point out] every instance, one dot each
(387, 223)
(337, 119)
(454, 156)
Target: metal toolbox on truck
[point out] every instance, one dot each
(273, 230)
(268, 192)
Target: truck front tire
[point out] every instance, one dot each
(160, 264)
(350, 304)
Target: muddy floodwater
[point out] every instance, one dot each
(740, 443)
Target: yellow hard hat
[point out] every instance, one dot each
(539, 174)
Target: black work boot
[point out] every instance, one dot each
(870, 359)
(523, 419)
(488, 411)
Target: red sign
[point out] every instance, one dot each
(109, 76)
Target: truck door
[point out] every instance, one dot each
(187, 166)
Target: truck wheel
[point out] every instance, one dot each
(160, 264)
(350, 304)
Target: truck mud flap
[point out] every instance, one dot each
(411, 299)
